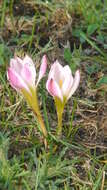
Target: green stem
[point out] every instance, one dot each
(33, 103)
(3, 13)
(60, 109)
(39, 116)
(59, 129)
(42, 126)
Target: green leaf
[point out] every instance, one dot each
(92, 68)
(92, 28)
(76, 32)
(1, 60)
(4, 54)
(100, 38)
(102, 81)
(67, 55)
(105, 46)
(73, 67)
(83, 35)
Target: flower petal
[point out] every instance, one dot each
(67, 85)
(28, 60)
(28, 72)
(57, 72)
(67, 70)
(75, 83)
(55, 68)
(16, 65)
(68, 80)
(15, 80)
(54, 89)
(43, 68)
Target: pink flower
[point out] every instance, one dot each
(61, 83)
(22, 74)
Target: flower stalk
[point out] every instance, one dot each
(59, 108)
(61, 85)
(33, 103)
(22, 76)
(41, 122)
(59, 128)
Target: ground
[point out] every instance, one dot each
(75, 33)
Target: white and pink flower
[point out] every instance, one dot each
(22, 73)
(61, 83)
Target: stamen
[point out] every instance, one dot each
(60, 83)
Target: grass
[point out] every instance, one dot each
(73, 32)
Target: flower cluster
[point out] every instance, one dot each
(60, 84)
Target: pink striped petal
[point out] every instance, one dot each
(75, 83)
(56, 72)
(43, 68)
(19, 60)
(15, 80)
(55, 67)
(28, 72)
(54, 89)
(28, 60)
(16, 65)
